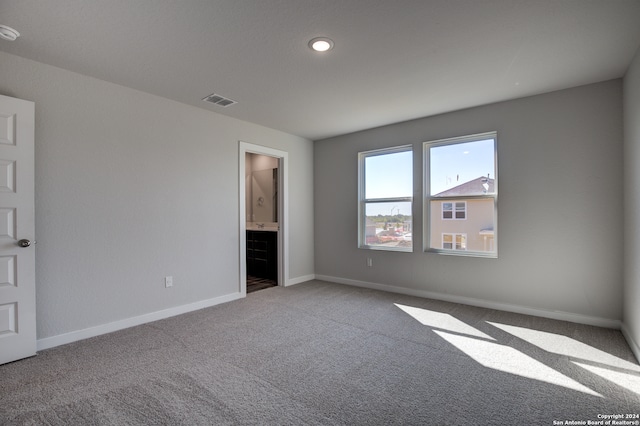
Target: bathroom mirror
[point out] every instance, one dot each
(264, 191)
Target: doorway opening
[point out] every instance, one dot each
(263, 217)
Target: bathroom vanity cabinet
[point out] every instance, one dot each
(262, 254)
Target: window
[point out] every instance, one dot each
(386, 199)
(454, 241)
(460, 210)
(461, 192)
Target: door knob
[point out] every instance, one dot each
(24, 243)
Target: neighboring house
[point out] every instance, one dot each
(370, 232)
(464, 224)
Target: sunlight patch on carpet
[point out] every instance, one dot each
(443, 321)
(628, 381)
(563, 345)
(509, 360)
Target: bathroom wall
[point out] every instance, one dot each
(257, 163)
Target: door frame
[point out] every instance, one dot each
(283, 210)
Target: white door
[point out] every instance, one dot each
(17, 253)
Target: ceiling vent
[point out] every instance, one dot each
(219, 100)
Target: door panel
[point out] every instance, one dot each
(17, 216)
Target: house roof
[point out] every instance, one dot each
(472, 187)
(487, 231)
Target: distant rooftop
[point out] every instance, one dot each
(479, 186)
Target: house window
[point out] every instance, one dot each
(461, 192)
(454, 210)
(385, 179)
(454, 241)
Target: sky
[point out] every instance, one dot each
(391, 175)
(453, 165)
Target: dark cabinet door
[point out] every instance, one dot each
(262, 254)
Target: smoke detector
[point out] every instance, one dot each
(8, 33)
(219, 100)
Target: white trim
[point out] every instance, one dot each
(299, 280)
(635, 348)
(557, 315)
(74, 336)
(283, 211)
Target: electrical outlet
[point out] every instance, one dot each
(369, 262)
(168, 282)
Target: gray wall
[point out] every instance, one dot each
(559, 210)
(631, 99)
(131, 187)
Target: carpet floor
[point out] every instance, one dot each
(326, 354)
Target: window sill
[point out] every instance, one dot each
(382, 248)
(463, 253)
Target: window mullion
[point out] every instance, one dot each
(389, 200)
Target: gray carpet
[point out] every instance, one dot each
(320, 353)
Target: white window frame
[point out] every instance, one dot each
(428, 197)
(362, 201)
(453, 210)
(453, 241)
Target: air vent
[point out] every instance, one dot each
(219, 100)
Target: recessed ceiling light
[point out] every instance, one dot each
(8, 33)
(321, 44)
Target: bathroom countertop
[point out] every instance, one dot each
(267, 226)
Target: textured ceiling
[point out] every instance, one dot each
(392, 61)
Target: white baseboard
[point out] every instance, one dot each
(299, 280)
(558, 315)
(635, 348)
(73, 336)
